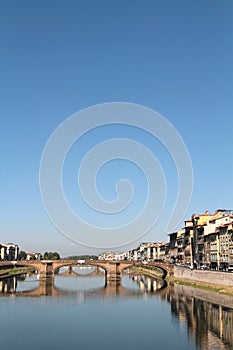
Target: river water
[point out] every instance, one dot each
(80, 312)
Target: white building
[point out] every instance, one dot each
(213, 224)
(9, 251)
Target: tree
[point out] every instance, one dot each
(56, 256)
(22, 255)
(51, 256)
(46, 256)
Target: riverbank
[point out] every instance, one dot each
(202, 285)
(155, 272)
(148, 271)
(14, 271)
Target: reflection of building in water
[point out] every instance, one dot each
(8, 285)
(146, 283)
(210, 324)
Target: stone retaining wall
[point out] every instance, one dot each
(213, 277)
(205, 295)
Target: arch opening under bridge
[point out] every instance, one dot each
(77, 271)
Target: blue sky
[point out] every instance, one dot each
(58, 57)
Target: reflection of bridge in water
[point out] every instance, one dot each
(208, 316)
(110, 289)
(70, 272)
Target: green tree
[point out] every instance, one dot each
(46, 256)
(22, 255)
(56, 256)
(51, 256)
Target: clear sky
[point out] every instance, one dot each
(58, 57)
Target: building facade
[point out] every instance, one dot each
(9, 252)
(206, 241)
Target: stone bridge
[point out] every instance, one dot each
(113, 269)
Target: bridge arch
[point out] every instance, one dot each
(165, 272)
(60, 263)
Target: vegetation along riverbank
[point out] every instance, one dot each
(13, 271)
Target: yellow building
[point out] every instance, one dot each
(217, 237)
(230, 242)
(188, 242)
(214, 250)
(180, 245)
(199, 222)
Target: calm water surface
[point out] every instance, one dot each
(80, 312)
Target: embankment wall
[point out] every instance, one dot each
(212, 277)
